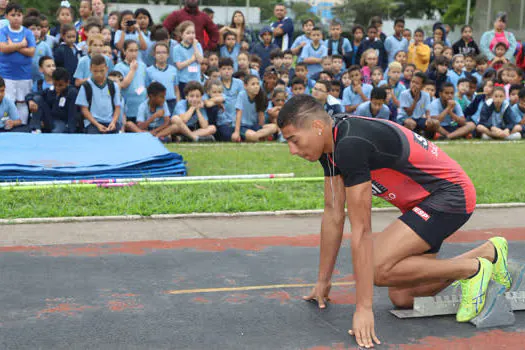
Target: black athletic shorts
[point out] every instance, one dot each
(431, 225)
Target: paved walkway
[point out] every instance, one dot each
(224, 227)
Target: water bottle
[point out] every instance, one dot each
(2, 122)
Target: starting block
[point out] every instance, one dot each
(499, 305)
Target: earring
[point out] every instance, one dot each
(319, 133)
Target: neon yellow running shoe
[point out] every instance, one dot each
(500, 273)
(473, 292)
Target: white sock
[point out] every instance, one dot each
(515, 136)
(23, 112)
(485, 137)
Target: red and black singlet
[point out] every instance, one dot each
(404, 167)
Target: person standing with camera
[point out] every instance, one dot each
(129, 30)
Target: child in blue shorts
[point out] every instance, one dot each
(251, 105)
(9, 120)
(134, 83)
(453, 123)
(17, 48)
(414, 108)
(191, 112)
(153, 115)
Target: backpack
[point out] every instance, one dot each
(89, 92)
(520, 57)
(339, 46)
(347, 57)
(39, 85)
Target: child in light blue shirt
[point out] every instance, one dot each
(46, 67)
(304, 39)
(313, 53)
(42, 48)
(102, 111)
(375, 108)
(250, 106)
(393, 80)
(159, 35)
(231, 88)
(188, 56)
(153, 115)
(414, 107)
(453, 123)
(130, 30)
(9, 120)
(192, 112)
(336, 44)
(457, 72)
(134, 83)
(165, 74)
(357, 92)
(396, 42)
(230, 48)
(95, 47)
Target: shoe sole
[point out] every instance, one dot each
(506, 260)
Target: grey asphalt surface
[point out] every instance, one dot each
(63, 287)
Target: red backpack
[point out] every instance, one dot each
(520, 57)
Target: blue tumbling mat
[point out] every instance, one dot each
(44, 157)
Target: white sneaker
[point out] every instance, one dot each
(513, 137)
(485, 137)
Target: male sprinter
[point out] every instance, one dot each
(362, 157)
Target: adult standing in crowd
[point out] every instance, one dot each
(3, 5)
(282, 28)
(498, 34)
(238, 26)
(99, 10)
(201, 20)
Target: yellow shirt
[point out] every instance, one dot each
(419, 55)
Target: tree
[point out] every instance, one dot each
(453, 11)
(303, 11)
(360, 11)
(266, 7)
(413, 9)
(47, 7)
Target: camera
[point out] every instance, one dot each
(131, 23)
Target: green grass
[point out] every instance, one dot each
(497, 170)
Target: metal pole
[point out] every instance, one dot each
(489, 14)
(467, 18)
(522, 4)
(52, 183)
(246, 21)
